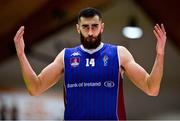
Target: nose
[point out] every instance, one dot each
(90, 33)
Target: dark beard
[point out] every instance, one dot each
(89, 43)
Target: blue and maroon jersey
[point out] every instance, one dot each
(93, 84)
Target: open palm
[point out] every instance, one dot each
(160, 34)
(19, 41)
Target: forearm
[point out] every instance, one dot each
(30, 78)
(156, 74)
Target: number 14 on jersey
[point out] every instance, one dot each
(90, 62)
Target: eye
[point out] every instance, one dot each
(95, 25)
(85, 26)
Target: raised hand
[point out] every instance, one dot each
(160, 34)
(19, 41)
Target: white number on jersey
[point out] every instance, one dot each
(90, 62)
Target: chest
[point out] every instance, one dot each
(99, 65)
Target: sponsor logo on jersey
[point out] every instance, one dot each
(84, 84)
(109, 84)
(76, 54)
(105, 60)
(74, 61)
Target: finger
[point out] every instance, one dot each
(20, 36)
(163, 29)
(155, 33)
(20, 29)
(158, 27)
(19, 32)
(159, 30)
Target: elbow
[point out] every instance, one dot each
(153, 93)
(34, 92)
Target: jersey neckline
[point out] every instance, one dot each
(92, 51)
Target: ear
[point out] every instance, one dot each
(78, 28)
(102, 27)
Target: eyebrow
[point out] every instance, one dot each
(95, 24)
(86, 25)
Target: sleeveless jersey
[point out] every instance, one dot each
(93, 84)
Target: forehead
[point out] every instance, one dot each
(90, 20)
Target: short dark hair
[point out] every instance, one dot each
(89, 12)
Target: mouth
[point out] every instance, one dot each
(91, 39)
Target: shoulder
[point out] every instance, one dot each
(121, 48)
(60, 57)
(125, 55)
(69, 51)
(123, 51)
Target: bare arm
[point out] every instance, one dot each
(36, 84)
(149, 83)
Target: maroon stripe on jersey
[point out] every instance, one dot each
(64, 95)
(121, 106)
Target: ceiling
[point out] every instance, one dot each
(167, 12)
(42, 18)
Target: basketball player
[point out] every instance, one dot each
(93, 71)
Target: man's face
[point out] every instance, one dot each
(90, 30)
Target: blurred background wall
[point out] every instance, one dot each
(50, 27)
